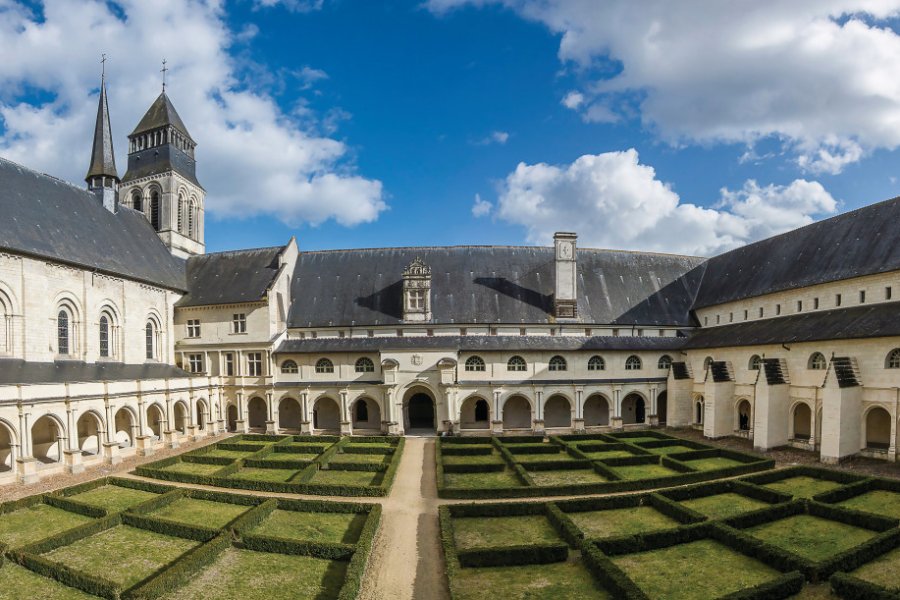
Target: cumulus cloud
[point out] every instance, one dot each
(496, 137)
(292, 5)
(614, 201)
(573, 100)
(820, 75)
(481, 208)
(253, 158)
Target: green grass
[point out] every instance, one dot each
(474, 459)
(532, 458)
(113, 497)
(477, 532)
(360, 458)
(811, 537)
(193, 468)
(638, 440)
(608, 454)
(201, 512)
(723, 506)
(452, 445)
(883, 571)
(257, 474)
(802, 486)
(18, 582)
(333, 476)
(34, 523)
(621, 521)
(881, 502)
(643, 471)
(370, 445)
(122, 554)
(710, 464)
(566, 476)
(499, 479)
(232, 454)
(317, 527)
(693, 571)
(304, 448)
(545, 582)
(670, 449)
(264, 576)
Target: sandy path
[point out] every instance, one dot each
(407, 560)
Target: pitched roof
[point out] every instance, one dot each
(230, 277)
(860, 242)
(492, 284)
(103, 158)
(161, 113)
(858, 322)
(14, 371)
(48, 218)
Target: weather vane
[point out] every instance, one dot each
(163, 71)
(103, 60)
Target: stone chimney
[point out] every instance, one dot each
(565, 294)
(417, 292)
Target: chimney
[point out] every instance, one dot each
(565, 297)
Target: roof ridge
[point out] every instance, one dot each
(75, 186)
(495, 246)
(239, 250)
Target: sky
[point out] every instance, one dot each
(687, 127)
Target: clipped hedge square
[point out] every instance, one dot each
(802, 486)
(472, 459)
(669, 449)
(309, 526)
(258, 474)
(360, 458)
(566, 477)
(27, 525)
(650, 471)
(206, 513)
(553, 581)
(883, 571)
(336, 477)
(18, 582)
(193, 468)
(498, 479)
(490, 532)
(880, 502)
(723, 506)
(713, 463)
(113, 497)
(811, 537)
(621, 521)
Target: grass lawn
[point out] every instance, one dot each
(722, 506)
(18, 582)
(499, 479)
(621, 521)
(715, 570)
(233, 454)
(303, 449)
(317, 527)
(644, 471)
(122, 554)
(452, 445)
(333, 476)
(716, 462)
(608, 454)
(201, 512)
(811, 537)
(257, 474)
(880, 502)
(669, 449)
(803, 486)
(479, 532)
(638, 440)
(473, 459)
(360, 458)
(817, 591)
(531, 582)
(252, 575)
(113, 497)
(193, 468)
(369, 445)
(884, 570)
(566, 476)
(28, 525)
(530, 458)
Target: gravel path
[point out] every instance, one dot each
(409, 533)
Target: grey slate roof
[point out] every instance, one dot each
(860, 242)
(479, 343)
(44, 217)
(492, 284)
(866, 321)
(13, 371)
(160, 114)
(161, 159)
(103, 158)
(230, 277)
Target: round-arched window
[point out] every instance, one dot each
(323, 365)
(665, 361)
(633, 363)
(755, 363)
(365, 365)
(558, 363)
(516, 363)
(596, 363)
(289, 366)
(817, 362)
(893, 359)
(475, 364)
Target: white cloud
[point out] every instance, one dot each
(292, 5)
(481, 208)
(573, 100)
(308, 76)
(495, 137)
(613, 201)
(819, 75)
(253, 158)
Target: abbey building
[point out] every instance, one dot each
(120, 335)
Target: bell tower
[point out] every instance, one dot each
(161, 180)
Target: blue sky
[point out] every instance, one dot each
(548, 110)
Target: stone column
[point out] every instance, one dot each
(616, 420)
(241, 425)
(653, 417)
(26, 465)
(69, 452)
(305, 423)
(271, 425)
(578, 422)
(110, 446)
(497, 422)
(538, 413)
(346, 425)
(143, 443)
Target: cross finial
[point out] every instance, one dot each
(103, 60)
(163, 71)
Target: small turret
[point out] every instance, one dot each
(102, 178)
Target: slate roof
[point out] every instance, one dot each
(479, 343)
(866, 321)
(160, 114)
(47, 218)
(13, 371)
(230, 277)
(161, 159)
(103, 158)
(860, 242)
(492, 284)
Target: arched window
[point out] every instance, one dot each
(365, 365)
(104, 336)
(665, 361)
(817, 362)
(62, 332)
(155, 219)
(893, 359)
(191, 220)
(323, 365)
(137, 201)
(289, 366)
(706, 362)
(516, 363)
(755, 363)
(5, 333)
(633, 363)
(558, 363)
(150, 340)
(596, 363)
(182, 206)
(475, 363)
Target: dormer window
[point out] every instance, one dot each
(417, 292)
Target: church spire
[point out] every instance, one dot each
(102, 174)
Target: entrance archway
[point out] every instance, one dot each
(517, 413)
(475, 413)
(802, 422)
(557, 412)
(326, 415)
(633, 409)
(289, 416)
(46, 439)
(744, 416)
(420, 413)
(257, 413)
(596, 411)
(90, 429)
(878, 429)
(124, 424)
(366, 414)
(662, 408)
(231, 414)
